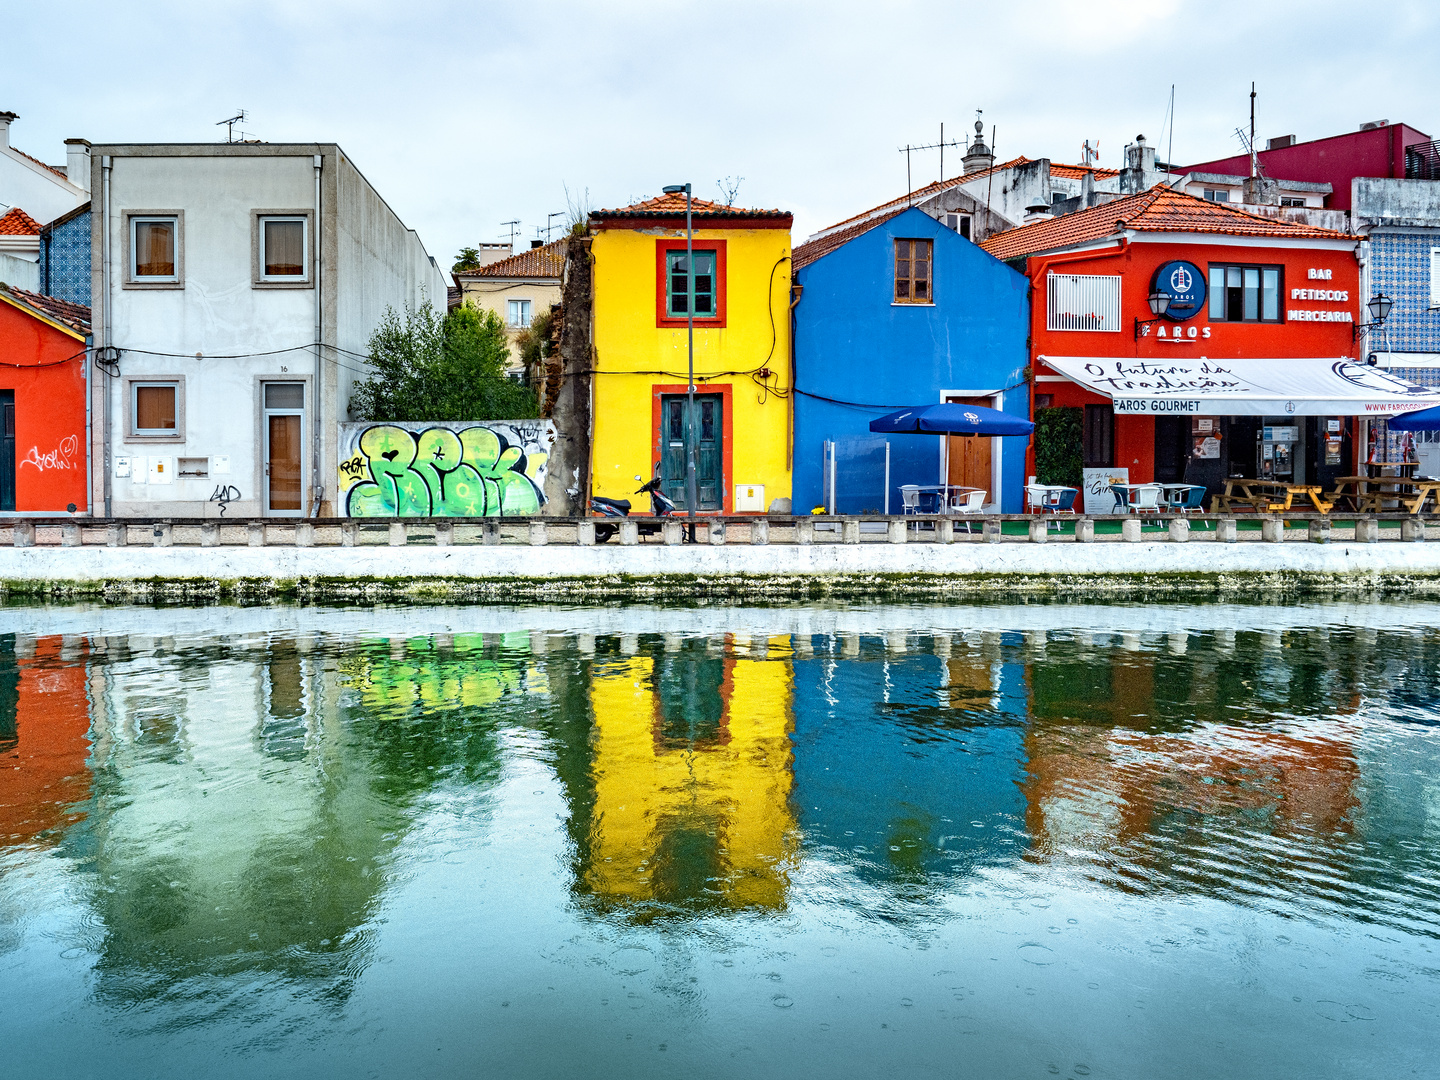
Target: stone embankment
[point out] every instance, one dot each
(753, 557)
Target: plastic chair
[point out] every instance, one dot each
(1147, 498)
(1192, 503)
(909, 498)
(1122, 498)
(969, 502)
(1035, 497)
(1062, 501)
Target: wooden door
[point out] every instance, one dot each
(706, 429)
(7, 451)
(284, 406)
(970, 455)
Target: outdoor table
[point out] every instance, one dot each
(945, 492)
(1408, 495)
(1349, 489)
(1047, 489)
(1402, 468)
(1268, 495)
(1171, 491)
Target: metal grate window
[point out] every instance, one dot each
(1083, 302)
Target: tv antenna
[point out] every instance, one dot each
(1089, 153)
(514, 228)
(238, 118)
(549, 223)
(907, 148)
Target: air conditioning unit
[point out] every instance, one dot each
(749, 497)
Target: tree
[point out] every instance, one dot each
(468, 259)
(427, 366)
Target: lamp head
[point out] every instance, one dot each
(1159, 302)
(1380, 306)
(676, 189)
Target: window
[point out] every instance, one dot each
(1099, 436)
(1083, 302)
(154, 408)
(912, 272)
(154, 249)
(1287, 200)
(959, 223)
(677, 284)
(1044, 401)
(517, 313)
(282, 249)
(1435, 277)
(1244, 293)
(1217, 195)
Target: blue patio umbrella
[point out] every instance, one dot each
(1421, 420)
(951, 418)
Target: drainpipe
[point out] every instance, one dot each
(105, 164)
(317, 423)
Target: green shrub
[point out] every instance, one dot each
(1058, 434)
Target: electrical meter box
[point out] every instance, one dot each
(749, 498)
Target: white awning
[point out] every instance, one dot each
(1249, 387)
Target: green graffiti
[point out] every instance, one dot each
(439, 472)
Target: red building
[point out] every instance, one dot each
(42, 403)
(1246, 373)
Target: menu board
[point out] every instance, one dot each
(1099, 499)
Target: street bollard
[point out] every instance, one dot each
(993, 532)
(945, 531)
(163, 534)
(444, 534)
(1367, 530)
(70, 536)
(1130, 530)
(539, 534)
(304, 534)
(760, 531)
(1412, 529)
(1319, 530)
(1179, 530)
(116, 535)
(255, 533)
(349, 534)
(629, 532)
(897, 531)
(585, 533)
(1084, 530)
(1272, 530)
(490, 532)
(717, 533)
(399, 534)
(673, 532)
(210, 534)
(1226, 531)
(850, 531)
(804, 531)
(24, 534)
(1039, 531)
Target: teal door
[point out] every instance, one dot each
(706, 430)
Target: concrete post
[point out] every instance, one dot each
(116, 535)
(1039, 530)
(1319, 530)
(629, 532)
(897, 531)
(717, 533)
(210, 534)
(1272, 530)
(349, 533)
(255, 534)
(491, 533)
(804, 530)
(444, 534)
(163, 534)
(1367, 530)
(849, 531)
(1412, 529)
(1226, 531)
(539, 534)
(993, 532)
(1179, 530)
(1130, 530)
(760, 531)
(945, 530)
(585, 533)
(1084, 530)
(399, 534)
(673, 532)
(305, 534)
(24, 534)
(70, 536)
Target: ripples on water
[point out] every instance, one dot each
(1033, 841)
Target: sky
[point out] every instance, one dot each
(468, 115)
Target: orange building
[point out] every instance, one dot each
(43, 464)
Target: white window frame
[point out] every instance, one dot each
(1221, 195)
(522, 305)
(133, 218)
(285, 279)
(1101, 292)
(1435, 277)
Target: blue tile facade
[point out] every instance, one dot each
(1400, 268)
(65, 260)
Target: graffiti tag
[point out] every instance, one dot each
(224, 494)
(62, 457)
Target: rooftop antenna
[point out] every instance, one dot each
(991, 186)
(548, 226)
(1170, 152)
(907, 148)
(1254, 165)
(514, 228)
(238, 118)
(1089, 152)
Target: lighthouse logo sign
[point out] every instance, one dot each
(1181, 279)
(1185, 285)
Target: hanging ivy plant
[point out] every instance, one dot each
(1057, 446)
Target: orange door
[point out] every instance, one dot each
(970, 454)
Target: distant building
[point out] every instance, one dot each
(518, 288)
(44, 191)
(19, 249)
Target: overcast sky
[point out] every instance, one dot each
(466, 115)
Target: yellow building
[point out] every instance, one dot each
(741, 430)
(518, 289)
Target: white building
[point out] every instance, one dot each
(235, 287)
(34, 192)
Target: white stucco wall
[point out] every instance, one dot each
(39, 192)
(21, 273)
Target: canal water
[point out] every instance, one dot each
(991, 841)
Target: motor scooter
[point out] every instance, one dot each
(660, 507)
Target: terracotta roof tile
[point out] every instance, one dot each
(1161, 209)
(670, 205)
(920, 194)
(58, 172)
(17, 222)
(1077, 172)
(811, 250)
(75, 316)
(547, 261)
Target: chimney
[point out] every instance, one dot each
(978, 157)
(6, 119)
(77, 163)
(1087, 189)
(1037, 211)
(1139, 173)
(536, 243)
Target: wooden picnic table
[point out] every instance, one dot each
(1369, 494)
(1270, 496)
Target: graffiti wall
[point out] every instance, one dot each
(491, 469)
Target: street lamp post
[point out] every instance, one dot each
(690, 492)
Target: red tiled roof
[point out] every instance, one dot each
(547, 261)
(17, 222)
(75, 316)
(922, 193)
(670, 205)
(58, 172)
(1077, 172)
(811, 250)
(1161, 209)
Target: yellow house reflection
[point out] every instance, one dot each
(692, 771)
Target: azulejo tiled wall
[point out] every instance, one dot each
(1400, 268)
(66, 259)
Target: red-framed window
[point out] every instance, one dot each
(671, 279)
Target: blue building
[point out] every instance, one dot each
(898, 310)
(65, 257)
